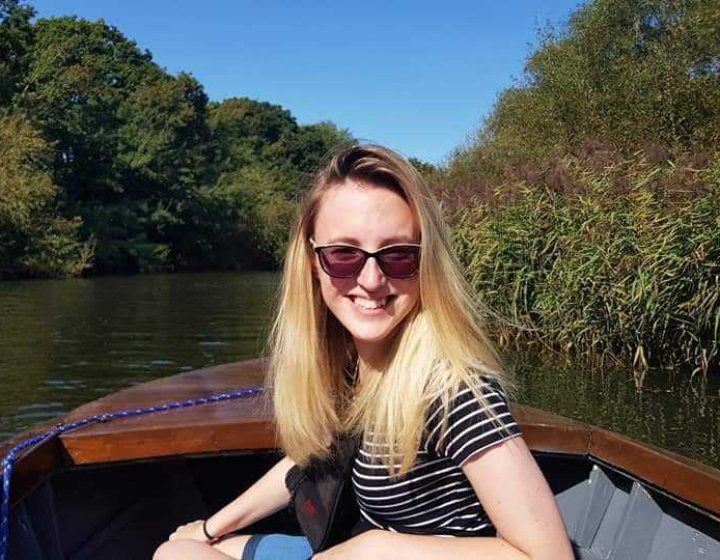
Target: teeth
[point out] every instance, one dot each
(370, 303)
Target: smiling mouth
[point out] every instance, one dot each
(370, 304)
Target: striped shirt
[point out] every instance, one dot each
(434, 496)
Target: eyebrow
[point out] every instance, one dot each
(344, 240)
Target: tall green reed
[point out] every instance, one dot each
(613, 262)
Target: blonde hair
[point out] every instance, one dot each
(439, 347)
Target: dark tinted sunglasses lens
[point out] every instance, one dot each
(400, 262)
(341, 262)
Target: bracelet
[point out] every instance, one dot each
(208, 536)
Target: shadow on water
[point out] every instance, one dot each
(63, 343)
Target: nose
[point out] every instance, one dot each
(371, 277)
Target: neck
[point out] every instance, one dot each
(372, 358)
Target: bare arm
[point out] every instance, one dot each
(515, 495)
(265, 497)
(268, 495)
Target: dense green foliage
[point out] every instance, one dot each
(119, 166)
(625, 265)
(16, 39)
(623, 72)
(34, 238)
(588, 208)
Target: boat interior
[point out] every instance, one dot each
(123, 511)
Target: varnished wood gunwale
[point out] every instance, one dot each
(35, 463)
(246, 425)
(692, 481)
(211, 428)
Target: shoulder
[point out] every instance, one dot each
(469, 420)
(485, 394)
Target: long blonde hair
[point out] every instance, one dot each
(439, 347)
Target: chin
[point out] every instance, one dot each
(370, 338)
(374, 328)
(379, 335)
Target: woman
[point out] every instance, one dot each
(376, 335)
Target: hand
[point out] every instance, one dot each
(191, 531)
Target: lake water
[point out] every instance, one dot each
(65, 342)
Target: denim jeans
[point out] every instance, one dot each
(277, 547)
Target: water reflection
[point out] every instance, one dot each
(63, 343)
(671, 409)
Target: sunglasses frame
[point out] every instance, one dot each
(366, 254)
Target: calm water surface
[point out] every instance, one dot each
(63, 343)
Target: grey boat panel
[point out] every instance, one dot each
(610, 516)
(605, 500)
(639, 525)
(681, 535)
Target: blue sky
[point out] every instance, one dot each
(416, 76)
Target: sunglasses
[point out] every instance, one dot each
(346, 261)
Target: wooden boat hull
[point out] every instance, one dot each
(115, 490)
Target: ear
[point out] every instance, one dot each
(313, 259)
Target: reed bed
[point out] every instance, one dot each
(616, 262)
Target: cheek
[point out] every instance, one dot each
(416, 296)
(325, 291)
(413, 304)
(332, 289)
(411, 290)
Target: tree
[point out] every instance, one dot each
(622, 72)
(313, 143)
(34, 239)
(80, 73)
(247, 132)
(424, 167)
(142, 167)
(164, 137)
(16, 39)
(25, 183)
(132, 140)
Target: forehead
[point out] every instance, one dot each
(366, 215)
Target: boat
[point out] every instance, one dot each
(114, 490)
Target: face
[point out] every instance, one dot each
(371, 306)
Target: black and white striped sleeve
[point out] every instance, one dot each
(472, 425)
